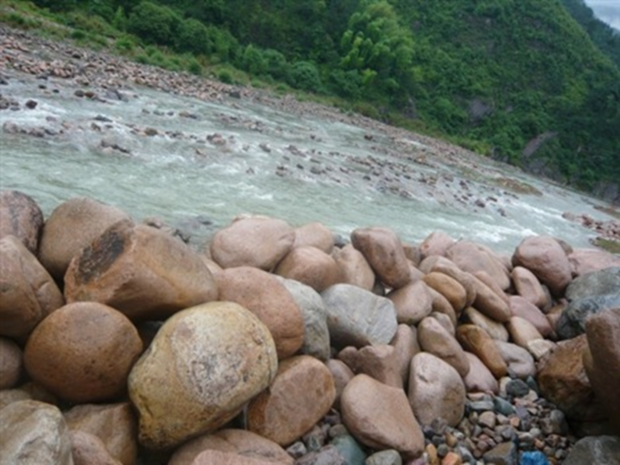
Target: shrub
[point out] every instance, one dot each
(305, 75)
(153, 23)
(193, 36)
(124, 45)
(253, 61)
(225, 76)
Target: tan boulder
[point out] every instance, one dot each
(213, 267)
(377, 361)
(519, 361)
(443, 265)
(528, 311)
(540, 348)
(354, 268)
(265, 296)
(27, 291)
(83, 352)
(436, 243)
(528, 287)
(380, 417)
(204, 364)
(310, 266)
(210, 457)
(444, 320)
(472, 257)
(11, 363)
(314, 235)
(20, 216)
(342, 374)
(491, 283)
(495, 329)
(88, 449)
(406, 345)
(584, 261)
(449, 287)
(384, 252)
(436, 390)
(489, 303)
(413, 302)
(115, 425)
(522, 331)
(545, 257)
(301, 393)
(479, 378)
(413, 253)
(477, 341)
(72, 226)
(434, 339)
(254, 241)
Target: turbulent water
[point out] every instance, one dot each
(216, 161)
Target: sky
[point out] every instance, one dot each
(607, 11)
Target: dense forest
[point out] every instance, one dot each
(535, 83)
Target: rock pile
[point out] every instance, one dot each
(120, 344)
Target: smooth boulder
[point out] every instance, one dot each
(572, 321)
(20, 216)
(354, 268)
(310, 266)
(413, 302)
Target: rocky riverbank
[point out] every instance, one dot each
(122, 345)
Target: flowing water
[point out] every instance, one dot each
(218, 160)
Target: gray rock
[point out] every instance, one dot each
(600, 450)
(358, 317)
(600, 282)
(329, 455)
(349, 449)
(517, 388)
(503, 406)
(572, 322)
(503, 454)
(385, 457)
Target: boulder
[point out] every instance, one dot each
(358, 317)
(477, 341)
(354, 268)
(434, 339)
(342, 374)
(572, 321)
(523, 308)
(20, 216)
(384, 252)
(519, 361)
(380, 417)
(488, 302)
(413, 302)
(301, 393)
(268, 298)
(72, 226)
(314, 235)
(495, 329)
(34, 432)
(441, 305)
(472, 257)
(11, 363)
(601, 282)
(310, 266)
(545, 257)
(436, 243)
(449, 287)
(595, 450)
(479, 378)
(444, 320)
(210, 457)
(204, 364)
(255, 241)
(436, 390)
(528, 287)
(377, 361)
(448, 267)
(406, 345)
(584, 261)
(88, 449)
(522, 331)
(27, 291)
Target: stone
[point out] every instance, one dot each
(316, 333)
(505, 453)
(141, 271)
(522, 331)
(495, 329)
(545, 257)
(11, 363)
(204, 364)
(472, 257)
(27, 292)
(354, 268)
(477, 341)
(256, 241)
(595, 450)
(380, 417)
(358, 317)
(479, 378)
(72, 226)
(413, 253)
(444, 320)
(210, 457)
(449, 268)
(341, 374)
(572, 321)
(434, 339)
(584, 261)
(449, 287)
(268, 298)
(436, 390)
(603, 336)
(314, 235)
(384, 252)
(436, 243)
(20, 216)
(328, 455)
(413, 302)
(236, 441)
(301, 393)
(83, 352)
(488, 302)
(600, 282)
(523, 308)
(385, 457)
(115, 425)
(88, 449)
(519, 361)
(451, 458)
(377, 361)
(491, 284)
(441, 305)
(528, 287)
(540, 348)
(34, 432)
(349, 449)
(406, 345)
(310, 266)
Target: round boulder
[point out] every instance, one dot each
(20, 216)
(354, 268)
(314, 235)
(310, 266)
(413, 302)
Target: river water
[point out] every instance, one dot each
(218, 160)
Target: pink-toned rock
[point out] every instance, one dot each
(310, 266)
(584, 261)
(384, 252)
(441, 305)
(522, 331)
(377, 361)
(11, 363)
(491, 283)
(472, 257)
(115, 425)
(528, 287)
(436, 243)
(479, 378)
(523, 308)
(444, 320)
(413, 302)
(540, 348)
(83, 352)
(341, 374)
(27, 291)
(245, 444)
(301, 393)
(434, 339)
(256, 241)
(413, 253)
(406, 345)
(72, 226)
(380, 417)
(489, 303)
(210, 457)
(520, 362)
(495, 329)
(213, 267)
(314, 235)
(477, 341)
(354, 268)
(546, 258)
(450, 288)
(265, 296)
(20, 216)
(88, 449)
(443, 265)
(436, 390)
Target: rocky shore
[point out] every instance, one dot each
(120, 344)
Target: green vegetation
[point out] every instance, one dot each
(519, 80)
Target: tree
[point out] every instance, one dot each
(154, 23)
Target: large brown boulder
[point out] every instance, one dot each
(140, 271)
(449, 287)
(310, 266)
(378, 361)
(472, 257)
(268, 298)
(354, 268)
(436, 243)
(255, 241)
(20, 216)
(314, 235)
(72, 226)
(528, 287)
(27, 291)
(436, 340)
(413, 302)
(584, 261)
(88, 449)
(477, 341)
(83, 352)
(11, 363)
